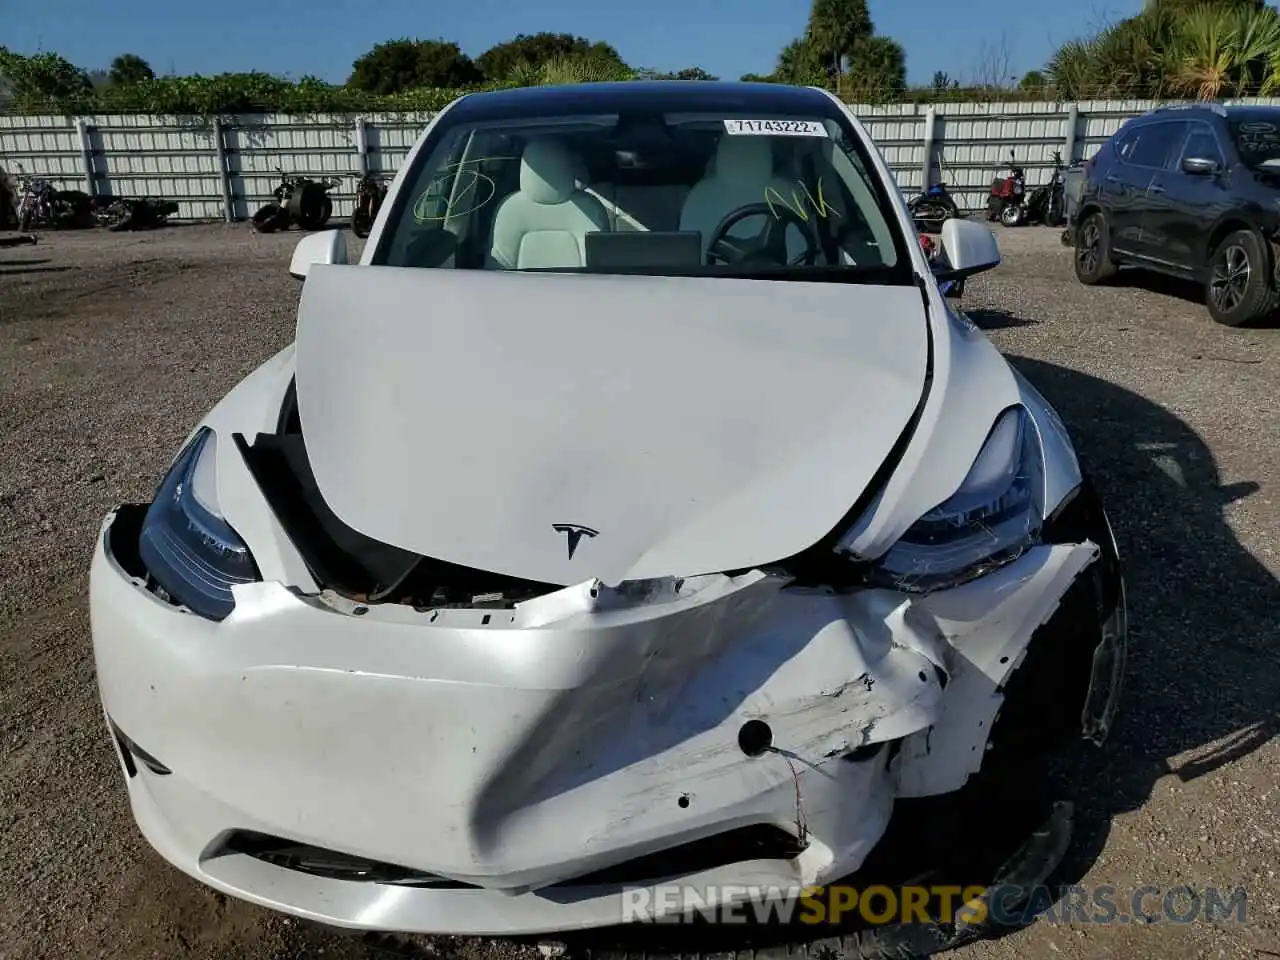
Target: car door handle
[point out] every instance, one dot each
(1112, 178)
(1155, 188)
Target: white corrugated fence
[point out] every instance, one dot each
(226, 168)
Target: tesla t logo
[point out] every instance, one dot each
(574, 534)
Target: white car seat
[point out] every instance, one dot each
(545, 223)
(740, 173)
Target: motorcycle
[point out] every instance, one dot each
(949, 288)
(42, 205)
(130, 214)
(1047, 203)
(934, 206)
(1007, 200)
(370, 192)
(301, 200)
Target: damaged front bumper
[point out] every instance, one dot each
(518, 771)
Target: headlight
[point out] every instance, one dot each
(990, 520)
(186, 545)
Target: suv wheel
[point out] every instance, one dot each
(1093, 250)
(1239, 288)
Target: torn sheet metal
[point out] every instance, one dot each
(985, 644)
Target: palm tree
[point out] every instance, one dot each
(1202, 58)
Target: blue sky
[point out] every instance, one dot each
(725, 37)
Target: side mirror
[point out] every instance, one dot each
(330, 246)
(1200, 166)
(967, 248)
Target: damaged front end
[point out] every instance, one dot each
(741, 727)
(369, 735)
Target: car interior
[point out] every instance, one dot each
(638, 194)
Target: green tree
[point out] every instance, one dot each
(693, 73)
(942, 81)
(1205, 49)
(1033, 80)
(581, 69)
(877, 69)
(534, 50)
(801, 64)
(399, 65)
(834, 27)
(44, 81)
(129, 69)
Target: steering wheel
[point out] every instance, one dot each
(770, 244)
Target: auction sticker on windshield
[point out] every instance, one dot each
(775, 128)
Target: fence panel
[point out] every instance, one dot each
(179, 158)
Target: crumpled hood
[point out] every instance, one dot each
(691, 425)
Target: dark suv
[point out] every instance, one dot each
(1192, 191)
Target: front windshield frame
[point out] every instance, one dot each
(901, 271)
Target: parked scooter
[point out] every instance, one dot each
(301, 200)
(1007, 201)
(934, 207)
(1047, 203)
(39, 204)
(370, 192)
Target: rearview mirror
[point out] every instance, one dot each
(967, 248)
(1200, 166)
(327, 247)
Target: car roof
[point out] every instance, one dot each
(645, 96)
(1233, 112)
(1253, 113)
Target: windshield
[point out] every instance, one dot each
(661, 193)
(1258, 142)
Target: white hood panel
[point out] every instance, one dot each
(697, 425)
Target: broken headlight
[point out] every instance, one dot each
(187, 546)
(990, 520)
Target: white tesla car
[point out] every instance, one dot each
(636, 511)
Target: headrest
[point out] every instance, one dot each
(743, 157)
(549, 173)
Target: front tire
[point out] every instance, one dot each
(1057, 210)
(1240, 288)
(1093, 251)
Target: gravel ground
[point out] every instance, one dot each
(112, 346)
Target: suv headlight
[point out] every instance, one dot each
(992, 518)
(187, 546)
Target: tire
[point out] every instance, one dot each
(325, 212)
(75, 209)
(24, 221)
(1240, 288)
(362, 219)
(1012, 215)
(1057, 209)
(270, 218)
(1093, 251)
(314, 207)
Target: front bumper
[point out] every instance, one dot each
(499, 772)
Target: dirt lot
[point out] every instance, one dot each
(112, 346)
